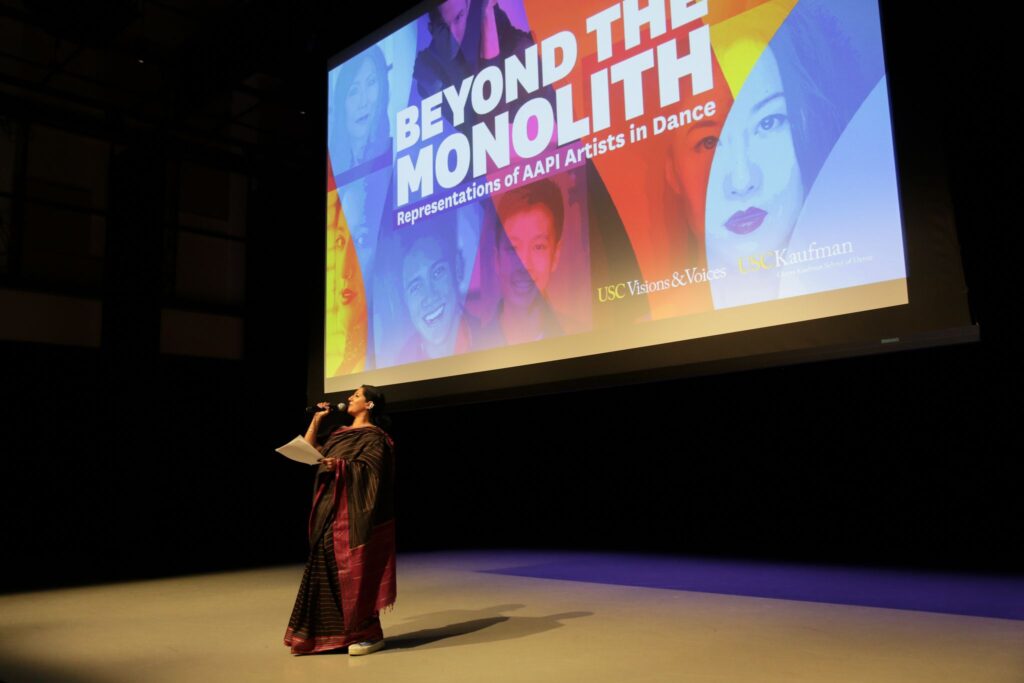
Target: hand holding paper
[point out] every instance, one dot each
(299, 450)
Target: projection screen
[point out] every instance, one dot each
(514, 184)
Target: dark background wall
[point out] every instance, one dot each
(142, 401)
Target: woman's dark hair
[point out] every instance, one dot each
(378, 414)
(822, 79)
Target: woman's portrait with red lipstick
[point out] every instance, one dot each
(788, 114)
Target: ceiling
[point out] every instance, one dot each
(231, 74)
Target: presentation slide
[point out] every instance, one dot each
(522, 181)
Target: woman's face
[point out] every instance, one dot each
(349, 279)
(430, 286)
(346, 312)
(361, 101)
(357, 402)
(454, 13)
(527, 255)
(693, 148)
(364, 234)
(754, 191)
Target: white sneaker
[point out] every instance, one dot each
(365, 647)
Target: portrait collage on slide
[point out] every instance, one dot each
(510, 172)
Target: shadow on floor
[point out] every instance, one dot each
(473, 626)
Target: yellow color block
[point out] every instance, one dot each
(739, 41)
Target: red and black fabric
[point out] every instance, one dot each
(350, 574)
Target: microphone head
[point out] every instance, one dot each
(343, 407)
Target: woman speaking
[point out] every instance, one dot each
(350, 574)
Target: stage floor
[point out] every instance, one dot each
(532, 616)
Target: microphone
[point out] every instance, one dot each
(343, 407)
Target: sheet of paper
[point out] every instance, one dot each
(298, 450)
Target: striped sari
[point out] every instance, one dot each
(350, 574)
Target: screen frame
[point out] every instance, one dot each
(938, 312)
